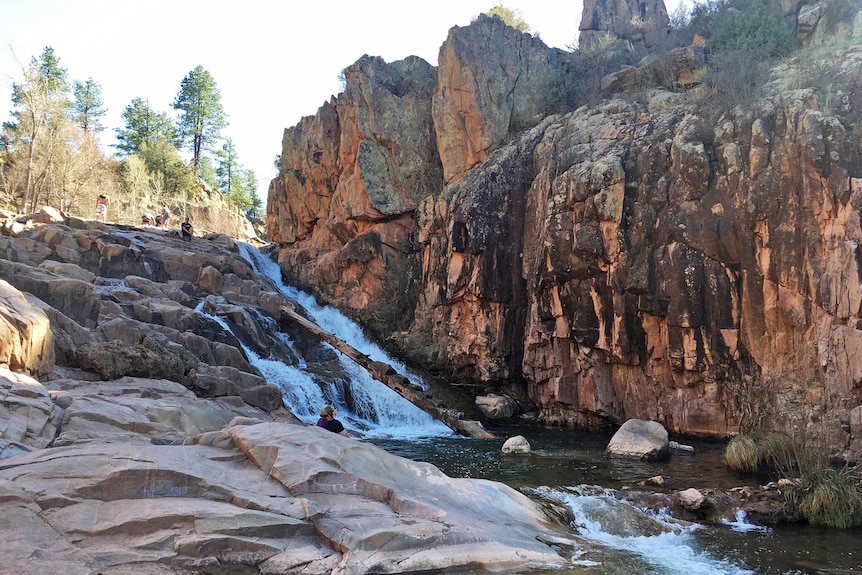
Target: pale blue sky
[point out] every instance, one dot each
(274, 61)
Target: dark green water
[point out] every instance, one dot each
(566, 459)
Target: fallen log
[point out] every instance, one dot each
(384, 373)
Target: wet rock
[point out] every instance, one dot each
(691, 499)
(496, 406)
(680, 449)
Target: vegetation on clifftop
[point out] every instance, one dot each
(51, 153)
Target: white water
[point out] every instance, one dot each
(652, 543)
(377, 410)
(741, 524)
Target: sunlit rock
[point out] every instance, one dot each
(517, 444)
(639, 439)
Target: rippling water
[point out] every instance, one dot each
(627, 540)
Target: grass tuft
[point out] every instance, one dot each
(829, 497)
(741, 453)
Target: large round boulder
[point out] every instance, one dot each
(640, 439)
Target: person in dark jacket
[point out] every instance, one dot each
(186, 229)
(328, 422)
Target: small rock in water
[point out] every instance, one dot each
(679, 448)
(517, 444)
(691, 499)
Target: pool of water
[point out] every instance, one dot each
(632, 541)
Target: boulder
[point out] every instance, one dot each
(49, 215)
(691, 499)
(517, 444)
(26, 342)
(639, 439)
(496, 406)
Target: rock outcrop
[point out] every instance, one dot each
(136, 436)
(640, 22)
(624, 260)
(277, 498)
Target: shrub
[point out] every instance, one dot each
(829, 497)
(741, 453)
(755, 29)
(761, 451)
(775, 451)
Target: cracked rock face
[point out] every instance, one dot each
(626, 260)
(152, 446)
(276, 497)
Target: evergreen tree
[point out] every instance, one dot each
(88, 106)
(228, 168)
(201, 114)
(144, 126)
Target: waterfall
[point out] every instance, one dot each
(363, 403)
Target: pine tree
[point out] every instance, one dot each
(144, 126)
(201, 115)
(88, 106)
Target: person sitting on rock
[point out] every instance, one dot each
(166, 217)
(186, 229)
(328, 422)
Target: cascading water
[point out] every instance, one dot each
(363, 403)
(633, 540)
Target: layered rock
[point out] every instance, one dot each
(640, 22)
(153, 445)
(635, 260)
(273, 497)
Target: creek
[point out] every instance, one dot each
(567, 467)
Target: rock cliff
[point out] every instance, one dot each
(635, 258)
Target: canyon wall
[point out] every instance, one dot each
(641, 257)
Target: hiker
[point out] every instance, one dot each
(166, 217)
(102, 208)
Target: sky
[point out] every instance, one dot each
(274, 61)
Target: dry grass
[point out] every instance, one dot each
(741, 453)
(830, 497)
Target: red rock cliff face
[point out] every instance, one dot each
(623, 260)
(351, 179)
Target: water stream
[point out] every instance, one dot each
(568, 467)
